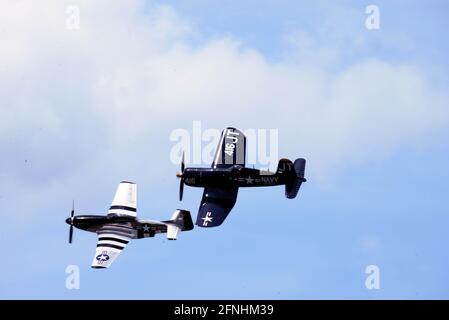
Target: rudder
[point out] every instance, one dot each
(292, 188)
(300, 167)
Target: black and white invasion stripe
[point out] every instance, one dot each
(115, 236)
(111, 241)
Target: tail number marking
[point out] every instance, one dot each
(232, 137)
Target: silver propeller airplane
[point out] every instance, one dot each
(121, 224)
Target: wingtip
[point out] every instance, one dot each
(127, 182)
(233, 128)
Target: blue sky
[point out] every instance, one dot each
(84, 109)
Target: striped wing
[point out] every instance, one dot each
(112, 239)
(125, 200)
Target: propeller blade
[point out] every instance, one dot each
(182, 163)
(181, 182)
(71, 233)
(71, 221)
(181, 189)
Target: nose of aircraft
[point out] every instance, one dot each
(68, 220)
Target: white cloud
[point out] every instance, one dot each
(107, 87)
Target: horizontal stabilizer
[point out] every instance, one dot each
(172, 231)
(181, 220)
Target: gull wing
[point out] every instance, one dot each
(215, 206)
(231, 149)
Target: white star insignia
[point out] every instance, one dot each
(208, 218)
(249, 180)
(146, 228)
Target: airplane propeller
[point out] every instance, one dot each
(70, 222)
(179, 175)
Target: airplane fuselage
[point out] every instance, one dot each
(92, 223)
(237, 176)
(120, 225)
(89, 222)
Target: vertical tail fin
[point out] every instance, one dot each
(292, 188)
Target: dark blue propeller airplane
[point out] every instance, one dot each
(221, 182)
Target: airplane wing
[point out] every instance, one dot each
(125, 200)
(112, 239)
(231, 149)
(217, 202)
(215, 206)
